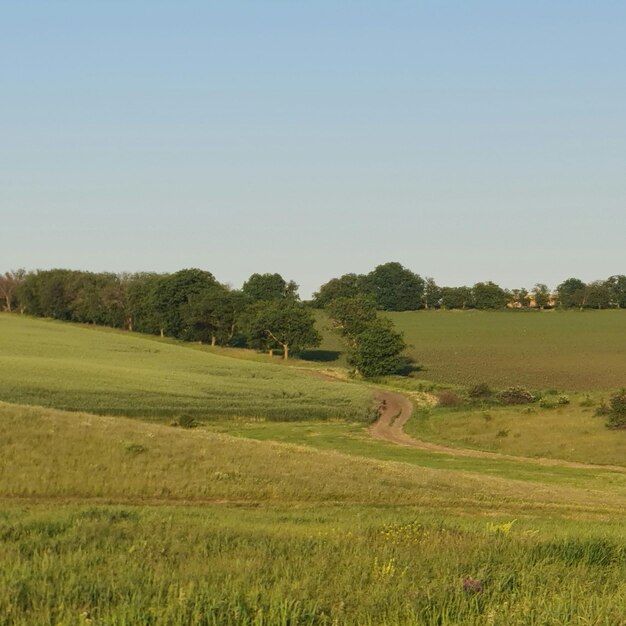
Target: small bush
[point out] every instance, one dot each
(563, 400)
(516, 395)
(481, 390)
(186, 421)
(617, 410)
(603, 409)
(448, 398)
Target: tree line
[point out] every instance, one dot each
(267, 313)
(392, 287)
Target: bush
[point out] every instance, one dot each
(448, 398)
(516, 395)
(481, 390)
(617, 412)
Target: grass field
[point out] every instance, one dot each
(108, 520)
(119, 521)
(113, 373)
(568, 350)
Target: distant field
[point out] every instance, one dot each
(568, 350)
(552, 349)
(89, 369)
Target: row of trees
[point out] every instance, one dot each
(191, 304)
(392, 287)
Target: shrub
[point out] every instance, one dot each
(603, 409)
(481, 390)
(617, 412)
(186, 421)
(448, 398)
(516, 395)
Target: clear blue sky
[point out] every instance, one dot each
(467, 140)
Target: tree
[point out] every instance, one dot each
(519, 297)
(351, 316)
(571, 293)
(456, 298)
(378, 350)
(617, 287)
(285, 325)
(212, 315)
(9, 285)
(597, 295)
(266, 287)
(173, 292)
(395, 288)
(346, 286)
(488, 296)
(541, 295)
(431, 297)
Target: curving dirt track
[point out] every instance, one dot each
(396, 409)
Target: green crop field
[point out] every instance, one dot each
(77, 368)
(280, 515)
(568, 350)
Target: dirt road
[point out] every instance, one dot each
(396, 409)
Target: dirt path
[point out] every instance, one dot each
(396, 411)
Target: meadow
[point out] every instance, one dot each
(281, 509)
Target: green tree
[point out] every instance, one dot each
(212, 315)
(395, 288)
(488, 296)
(9, 285)
(541, 295)
(266, 287)
(280, 325)
(597, 295)
(378, 350)
(346, 286)
(431, 297)
(173, 292)
(351, 316)
(456, 298)
(617, 287)
(571, 293)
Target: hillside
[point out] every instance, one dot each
(80, 368)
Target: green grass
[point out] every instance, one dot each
(118, 521)
(113, 373)
(109, 520)
(569, 350)
(570, 432)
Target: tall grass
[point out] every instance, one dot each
(174, 566)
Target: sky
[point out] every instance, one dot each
(469, 141)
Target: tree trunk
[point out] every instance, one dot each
(285, 351)
(271, 351)
(213, 340)
(162, 333)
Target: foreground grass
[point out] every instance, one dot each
(353, 565)
(87, 369)
(234, 531)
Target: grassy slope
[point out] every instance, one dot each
(235, 531)
(552, 349)
(282, 534)
(78, 368)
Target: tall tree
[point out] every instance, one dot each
(378, 350)
(280, 325)
(9, 285)
(617, 287)
(265, 287)
(346, 286)
(571, 293)
(395, 288)
(541, 295)
(456, 298)
(488, 296)
(432, 294)
(351, 316)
